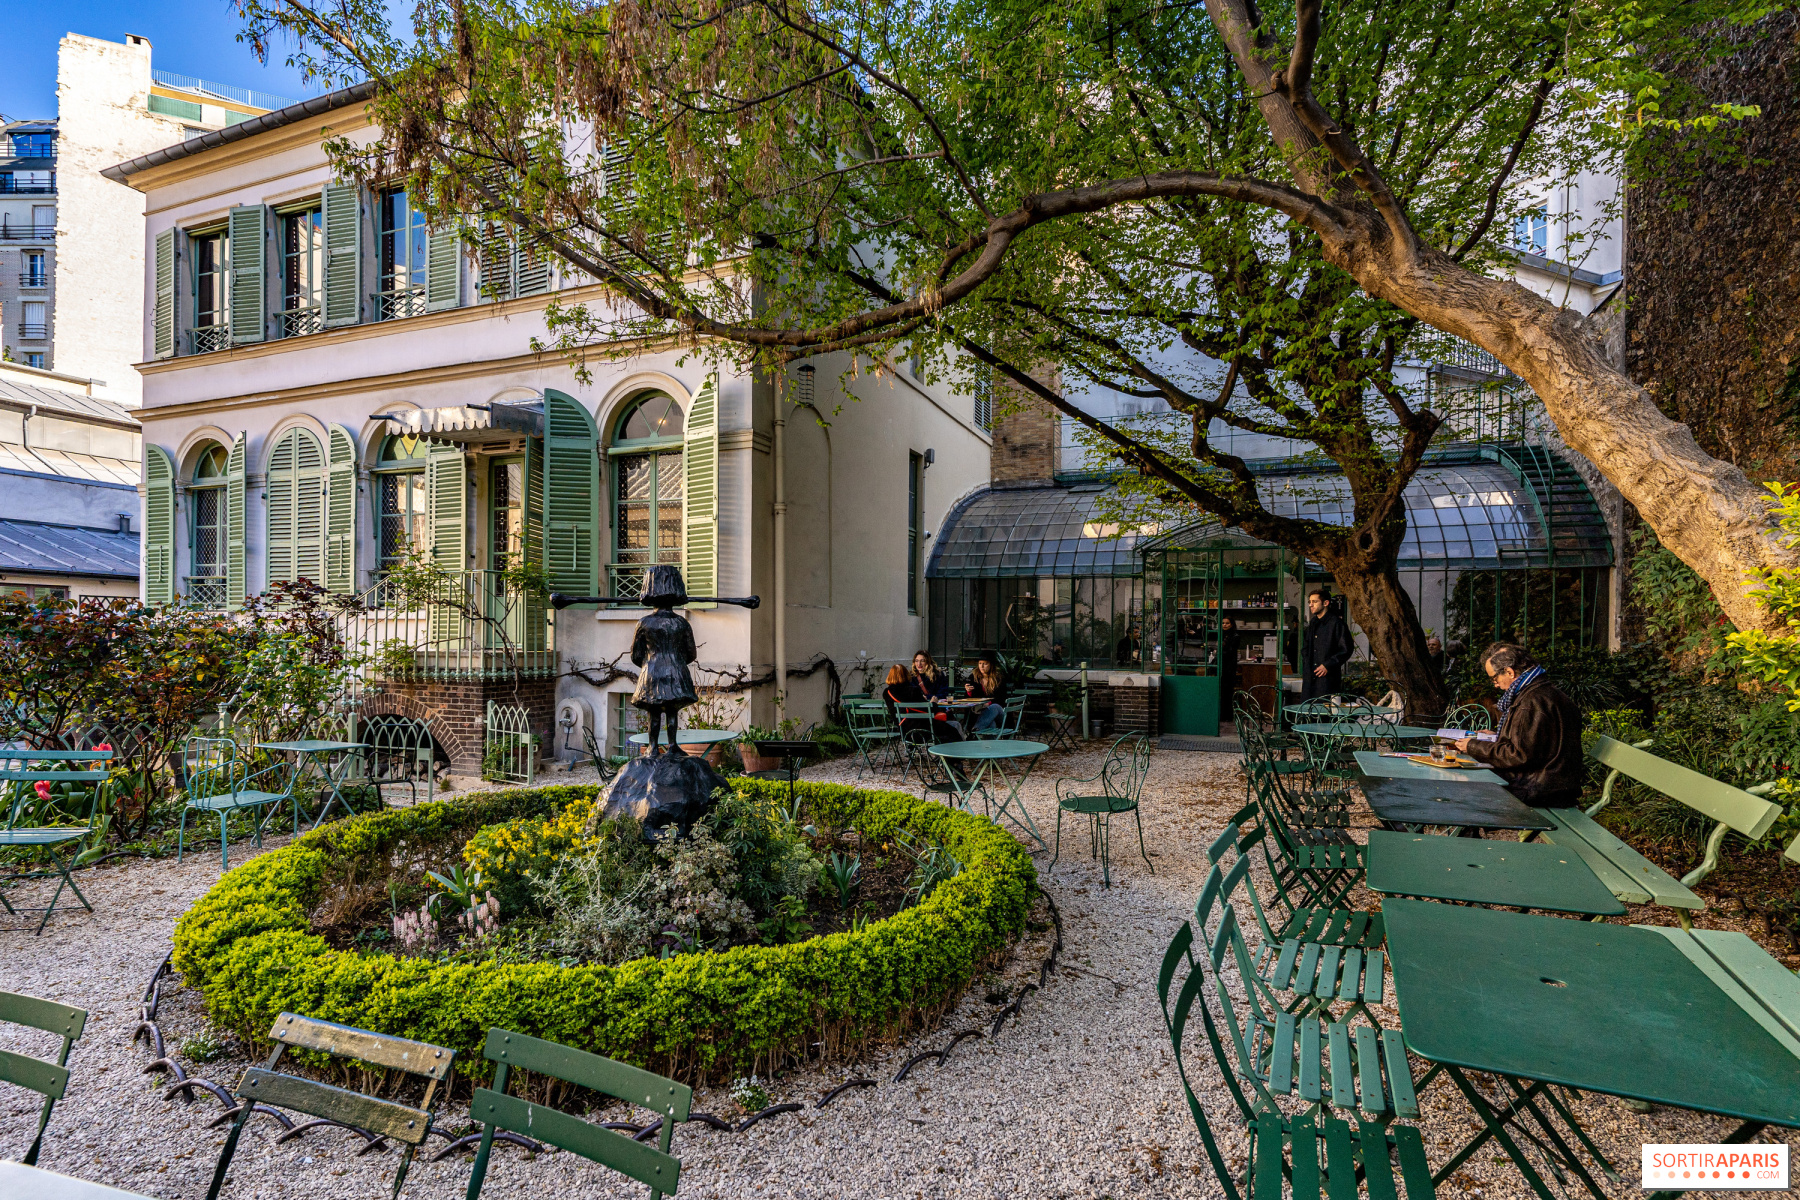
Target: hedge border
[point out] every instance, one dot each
(247, 945)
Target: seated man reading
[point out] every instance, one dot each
(1538, 746)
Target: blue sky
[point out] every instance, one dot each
(192, 37)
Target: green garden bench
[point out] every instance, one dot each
(385, 1118)
(47, 1079)
(1314, 1152)
(495, 1110)
(1630, 876)
(219, 781)
(36, 822)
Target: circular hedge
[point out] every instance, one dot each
(248, 945)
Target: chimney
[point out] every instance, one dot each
(1027, 432)
(124, 522)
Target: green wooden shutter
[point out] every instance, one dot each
(249, 298)
(343, 255)
(236, 586)
(280, 495)
(447, 503)
(443, 270)
(159, 526)
(309, 509)
(571, 496)
(536, 626)
(340, 513)
(700, 502)
(531, 270)
(162, 325)
(496, 261)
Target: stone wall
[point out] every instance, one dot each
(1713, 269)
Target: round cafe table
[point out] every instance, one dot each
(979, 759)
(316, 758)
(687, 737)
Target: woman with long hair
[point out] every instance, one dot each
(932, 682)
(901, 689)
(989, 684)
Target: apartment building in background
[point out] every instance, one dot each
(71, 240)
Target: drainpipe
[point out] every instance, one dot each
(780, 559)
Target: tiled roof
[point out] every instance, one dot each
(45, 549)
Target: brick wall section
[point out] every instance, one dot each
(456, 712)
(1027, 432)
(1136, 708)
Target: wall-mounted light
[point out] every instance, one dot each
(930, 456)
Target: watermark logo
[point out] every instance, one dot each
(1672, 1167)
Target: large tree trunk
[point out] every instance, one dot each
(1706, 511)
(1381, 605)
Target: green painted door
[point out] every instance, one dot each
(1190, 705)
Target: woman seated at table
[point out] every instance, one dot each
(1537, 748)
(933, 683)
(918, 730)
(990, 686)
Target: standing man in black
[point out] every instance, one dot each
(1324, 649)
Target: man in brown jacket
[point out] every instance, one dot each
(1538, 750)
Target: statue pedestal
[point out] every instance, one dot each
(659, 790)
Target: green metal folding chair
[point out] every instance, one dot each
(43, 790)
(496, 1110)
(49, 1080)
(1120, 789)
(219, 781)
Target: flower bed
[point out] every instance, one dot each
(248, 945)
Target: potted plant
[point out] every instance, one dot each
(754, 763)
(714, 710)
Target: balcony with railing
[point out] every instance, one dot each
(34, 279)
(298, 322)
(33, 332)
(11, 185)
(404, 302)
(27, 233)
(424, 624)
(204, 591)
(207, 338)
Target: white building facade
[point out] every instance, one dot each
(333, 391)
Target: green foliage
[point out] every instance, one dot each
(247, 945)
(932, 864)
(1680, 614)
(749, 1094)
(844, 871)
(515, 856)
(787, 923)
(463, 889)
(773, 857)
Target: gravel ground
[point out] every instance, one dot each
(1077, 1097)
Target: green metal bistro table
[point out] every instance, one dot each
(1604, 1008)
(1381, 766)
(1379, 730)
(991, 758)
(1413, 804)
(1318, 708)
(688, 737)
(17, 1179)
(1486, 872)
(314, 758)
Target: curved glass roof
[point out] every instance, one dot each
(1480, 515)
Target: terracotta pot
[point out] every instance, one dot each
(713, 754)
(755, 763)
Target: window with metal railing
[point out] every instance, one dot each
(402, 236)
(302, 271)
(404, 527)
(34, 275)
(204, 585)
(210, 253)
(648, 490)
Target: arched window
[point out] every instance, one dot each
(403, 527)
(646, 488)
(205, 582)
(296, 494)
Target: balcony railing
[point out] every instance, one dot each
(298, 322)
(427, 624)
(18, 149)
(406, 302)
(12, 187)
(34, 332)
(1466, 355)
(207, 338)
(27, 233)
(204, 591)
(34, 279)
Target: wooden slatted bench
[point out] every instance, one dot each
(388, 1118)
(1630, 876)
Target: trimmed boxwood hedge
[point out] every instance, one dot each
(247, 945)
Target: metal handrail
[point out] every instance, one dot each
(450, 625)
(29, 280)
(11, 187)
(33, 331)
(27, 233)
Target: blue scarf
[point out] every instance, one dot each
(1512, 693)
